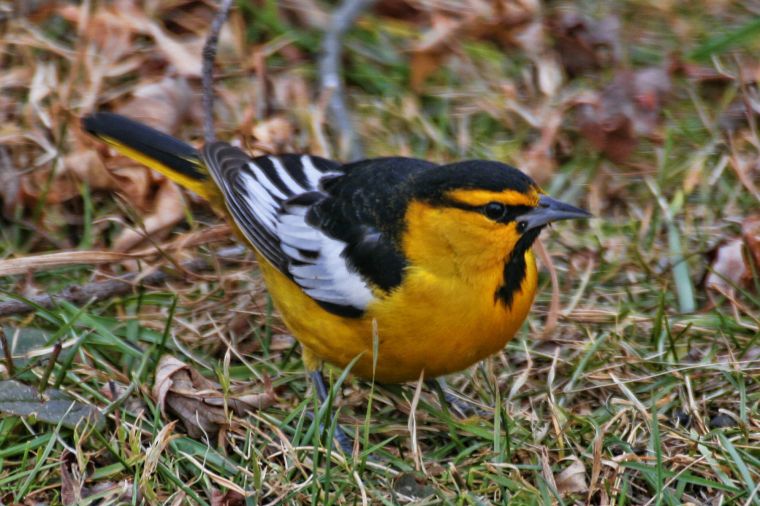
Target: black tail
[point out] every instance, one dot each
(177, 160)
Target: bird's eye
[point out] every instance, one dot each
(495, 210)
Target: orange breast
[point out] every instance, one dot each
(439, 325)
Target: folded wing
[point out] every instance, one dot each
(269, 198)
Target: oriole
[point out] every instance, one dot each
(439, 256)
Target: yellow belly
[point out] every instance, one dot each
(431, 324)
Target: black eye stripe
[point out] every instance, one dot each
(509, 213)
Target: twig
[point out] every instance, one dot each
(330, 71)
(49, 369)
(209, 54)
(102, 290)
(8, 355)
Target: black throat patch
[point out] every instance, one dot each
(515, 268)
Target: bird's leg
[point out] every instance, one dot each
(446, 396)
(344, 441)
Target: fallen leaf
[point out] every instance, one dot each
(274, 134)
(198, 402)
(154, 452)
(626, 109)
(73, 489)
(51, 406)
(503, 22)
(572, 479)
(72, 481)
(584, 44)
(751, 237)
(85, 166)
(185, 55)
(432, 48)
(168, 210)
(163, 105)
(229, 498)
(727, 269)
(732, 262)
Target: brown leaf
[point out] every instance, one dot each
(198, 402)
(572, 480)
(751, 237)
(733, 262)
(505, 22)
(73, 489)
(727, 268)
(629, 107)
(72, 480)
(584, 44)
(164, 105)
(608, 132)
(85, 166)
(428, 53)
(185, 56)
(168, 210)
(154, 452)
(229, 498)
(274, 134)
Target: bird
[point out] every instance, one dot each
(399, 266)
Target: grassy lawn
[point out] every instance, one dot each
(632, 382)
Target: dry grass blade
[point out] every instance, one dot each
(554, 306)
(601, 107)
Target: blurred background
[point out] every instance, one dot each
(635, 379)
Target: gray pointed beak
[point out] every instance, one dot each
(548, 211)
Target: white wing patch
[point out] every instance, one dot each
(314, 260)
(320, 268)
(258, 199)
(312, 173)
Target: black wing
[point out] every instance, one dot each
(270, 199)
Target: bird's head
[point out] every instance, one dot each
(476, 214)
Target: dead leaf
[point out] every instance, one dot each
(572, 480)
(629, 107)
(199, 403)
(73, 489)
(731, 263)
(154, 452)
(584, 44)
(229, 498)
(727, 268)
(432, 48)
(503, 22)
(85, 166)
(185, 55)
(274, 134)
(163, 105)
(751, 237)
(168, 210)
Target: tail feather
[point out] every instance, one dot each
(177, 160)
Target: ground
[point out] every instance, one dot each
(634, 380)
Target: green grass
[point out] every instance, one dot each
(638, 347)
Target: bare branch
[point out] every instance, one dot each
(209, 54)
(332, 82)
